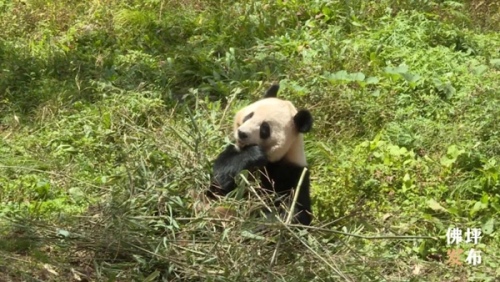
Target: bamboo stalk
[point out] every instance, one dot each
(296, 196)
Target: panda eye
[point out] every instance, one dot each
(265, 130)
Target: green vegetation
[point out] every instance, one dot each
(111, 112)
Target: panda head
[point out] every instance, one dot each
(276, 126)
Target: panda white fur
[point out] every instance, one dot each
(269, 137)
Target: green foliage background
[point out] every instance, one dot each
(112, 111)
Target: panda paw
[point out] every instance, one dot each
(255, 156)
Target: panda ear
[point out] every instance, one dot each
(303, 121)
(272, 91)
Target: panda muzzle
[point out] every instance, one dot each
(240, 144)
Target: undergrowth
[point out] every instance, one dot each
(111, 113)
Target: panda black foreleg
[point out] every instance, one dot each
(230, 163)
(281, 178)
(303, 205)
(303, 211)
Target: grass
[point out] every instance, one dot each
(111, 113)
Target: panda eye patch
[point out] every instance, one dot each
(247, 117)
(265, 130)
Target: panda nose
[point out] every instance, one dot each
(242, 135)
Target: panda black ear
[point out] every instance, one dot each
(272, 91)
(303, 121)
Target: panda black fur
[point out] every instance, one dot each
(269, 137)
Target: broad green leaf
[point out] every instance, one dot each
(406, 178)
(411, 77)
(355, 23)
(396, 70)
(478, 206)
(435, 205)
(326, 11)
(479, 69)
(495, 63)
(485, 199)
(341, 75)
(401, 69)
(372, 80)
(358, 76)
(437, 82)
(489, 226)
(454, 152)
(447, 162)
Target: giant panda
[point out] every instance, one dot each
(269, 137)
